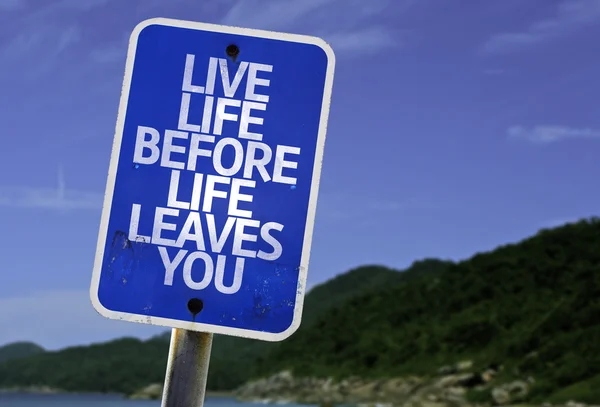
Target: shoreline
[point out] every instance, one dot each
(220, 395)
(43, 390)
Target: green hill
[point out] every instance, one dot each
(235, 360)
(18, 350)
(532, 307)
(116, 366)
(127, 364)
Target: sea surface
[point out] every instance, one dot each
(68, 400)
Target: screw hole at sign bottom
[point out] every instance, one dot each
(195, 305)
(232, 50)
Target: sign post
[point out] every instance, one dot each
(212, 188)
(187, 369)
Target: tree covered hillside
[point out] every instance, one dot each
(533, 306)
(19, 350)
(235, 360)
(125, 365)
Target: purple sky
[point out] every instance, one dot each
(455, 127)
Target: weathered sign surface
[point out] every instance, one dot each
(213, 180)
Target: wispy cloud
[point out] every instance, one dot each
(35, 50)
(113, 52)
(82, 4)
(347, 32)
(37, 38)
(365, 40)
(271, 15)
(50, 40)
(550, 134)
(57, 198)
(49, 198)
(109, 54)
(569, 16)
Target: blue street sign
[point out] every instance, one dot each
(212, 188)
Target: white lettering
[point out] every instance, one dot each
(170, 266)
(169, 148)
(246, 119)
(281, 163)
(211, 76)
(160, 225)
(210, 192)
(252, 162)
(193, 220)
(277, 248)
(236, 196)
(240, 237)
(254, 81)
(196, 191)
(238, 158)
(141, 143)
(207, 116)
(237, 277)
(229, 89)
(217, 242)
(196, 151)
(173, 191)
(208, 271)
(187, 76)
(184, 113)
(220, 114)
(134, 224)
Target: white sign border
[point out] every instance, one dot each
(312, 203)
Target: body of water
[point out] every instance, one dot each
(74, 400)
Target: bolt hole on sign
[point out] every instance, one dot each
(213, 179)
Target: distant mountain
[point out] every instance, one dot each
(235, 360)
(127, 364)
(361, 281)
(116, 366)
(531, 307)
(18, 350)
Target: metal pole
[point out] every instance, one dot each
(187, 369)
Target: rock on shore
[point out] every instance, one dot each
(447, 389)
(150, 392)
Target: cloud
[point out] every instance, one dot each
(569, 16)
(346, 32)
(35, 50)
(550, 134)
(273, 15)
(49, 198)
(46, 40)
(59, 198)
(366, 40)
(65, 317)
(35, 40)
(109, 54)
(83, 5)
(113, 52)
